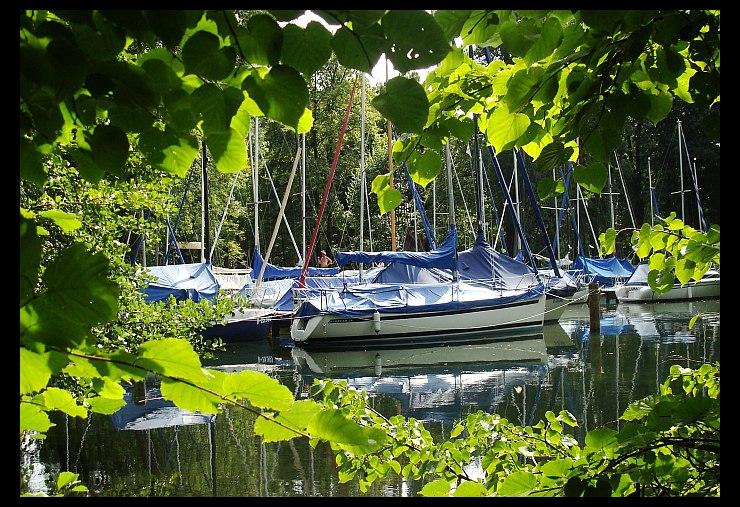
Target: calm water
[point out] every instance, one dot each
(158, 450)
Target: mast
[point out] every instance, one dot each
(390, 169)
(680, 169)
(255, 186)
(205, 244)
(450, 201)
(303, 197)
(650, 188)
(362, 171)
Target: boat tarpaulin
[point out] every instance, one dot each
(272, 271)
(443, 257)
(606, 271)
(183, 281)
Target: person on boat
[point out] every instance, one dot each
(324, 260)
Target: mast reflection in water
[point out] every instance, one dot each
(159, 450)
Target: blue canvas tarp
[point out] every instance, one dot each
(483, 262)
(443, 257)
(272, 271)
(606, 271)
(183, 281)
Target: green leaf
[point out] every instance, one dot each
(110, 148)
(522, 86)
(261, 390)
(203, 56)
(189, 397)
(59, 399)
(289, 423)
(169, 150)
(172, 357)
(306, 50)
(105, 406)
(33, 418)
(593, 178)
(504, 128)
(404, 102)
(68, 222)
(517, 484)
(333, 426)
(168, 25)
(600, 438)
(228, 149)
(417, 41)
(470, 489)
(35, 371)
(552, 156)
(31, 168)
(282, 94)
(557, 468)
(388, 198)
(424, 167)
(440, 487)
(30, 245)
(359, 50)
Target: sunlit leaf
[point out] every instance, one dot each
(331, 425)
(517, 484)
(33, 418)
(171, 357)
(306, 49)
(417, 41)
(404, 102)
(261, 390)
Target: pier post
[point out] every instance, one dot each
(594, 295)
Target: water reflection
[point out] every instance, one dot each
(175, 453)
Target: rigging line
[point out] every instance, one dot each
(179, 214)
(223, 217)
(624, 188)
(538, 217)
(695, 182)
(285, 219)
(302, 280)
(588, 216)
(465, 204)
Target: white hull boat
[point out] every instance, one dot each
(391, 315)
(637, 290)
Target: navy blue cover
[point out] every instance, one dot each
(273, 271)
(443, 257)
(184, 281)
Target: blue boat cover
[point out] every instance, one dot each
(410, 298)
(482, 262)
(183, 281)
(606, 271)
(272, 271)
(443, 257)
(404, 273)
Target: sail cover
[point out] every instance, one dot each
(443, 257)
(272, 271)
(606, 271)
(483, 262)
(183, 281)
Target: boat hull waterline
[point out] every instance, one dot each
(433, 327)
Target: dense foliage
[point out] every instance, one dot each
(113, 103)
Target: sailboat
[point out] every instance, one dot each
(403, 314)
(637, 289)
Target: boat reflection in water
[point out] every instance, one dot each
(441, 383)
